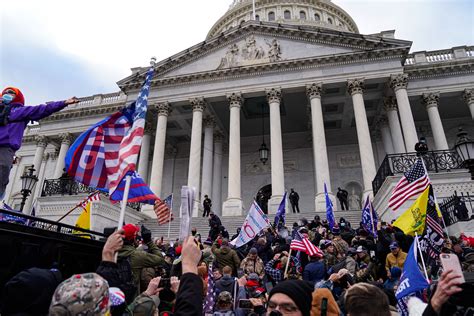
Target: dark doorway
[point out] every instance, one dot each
(263, 195)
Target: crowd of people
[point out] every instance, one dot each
(352, 274)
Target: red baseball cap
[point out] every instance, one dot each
(130, 231)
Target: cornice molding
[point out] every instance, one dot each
(84, 112)
(440, 69)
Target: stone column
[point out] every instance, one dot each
(41, 142)
(206, 183)
(194, 170)
(217, 174)
(276, 150)
(14, 176)
(468, 96)
(156, 178)
(399, 84)
(430, 100)
(144, 159)
(233, 205)
(40, 173)
(386, 136)
(391, 108)
(321, 164)
(355, 88)
(66, 139)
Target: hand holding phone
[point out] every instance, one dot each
(450, 261)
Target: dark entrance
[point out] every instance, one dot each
(263, 195)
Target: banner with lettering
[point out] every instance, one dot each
(412, 280)
(254, 223)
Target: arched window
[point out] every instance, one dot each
(287, 15)
(257, 17)
(271, 16)
(302, 15)
(317, 17)
(329, 20)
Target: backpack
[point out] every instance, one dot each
(4, 114)
(126, 278)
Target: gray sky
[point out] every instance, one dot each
(53, 49)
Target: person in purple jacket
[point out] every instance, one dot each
(14, 116)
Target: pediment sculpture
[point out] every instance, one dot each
(251, 53)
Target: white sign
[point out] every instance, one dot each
(254, 223)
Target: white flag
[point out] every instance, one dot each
(255, 222)
(187, 200)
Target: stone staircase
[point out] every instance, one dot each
(234, 222)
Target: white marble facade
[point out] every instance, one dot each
(370, 97)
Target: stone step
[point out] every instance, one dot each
(234, 222)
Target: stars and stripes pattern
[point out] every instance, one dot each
(91, 198)
(433, 236)
(302, 243)
(102, 156)
(129, 147)
(413, 182)
(164, 210)
(210, 300)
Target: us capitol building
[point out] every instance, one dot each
(297, 84)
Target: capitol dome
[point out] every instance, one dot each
(316, 13)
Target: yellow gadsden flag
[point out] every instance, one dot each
(413, 219)
(84, 221)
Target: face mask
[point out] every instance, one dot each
(7, 98)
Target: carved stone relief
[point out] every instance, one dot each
(349, 160)
(250, 53)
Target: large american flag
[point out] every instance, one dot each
(163, 210)
(210, 300)
(102, 156)
(413, 182)
(302, 243)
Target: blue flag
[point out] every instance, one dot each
(329, 209)
(412, 280)
(139, 191)
(369, 218)
(280, 214)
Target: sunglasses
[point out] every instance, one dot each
(9, 91)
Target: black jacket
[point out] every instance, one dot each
(189, 297)
(226, 283)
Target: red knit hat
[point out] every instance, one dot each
(19, 98)
(130, 231)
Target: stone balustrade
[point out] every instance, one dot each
(438, 56)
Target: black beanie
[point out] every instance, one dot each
(301, 292)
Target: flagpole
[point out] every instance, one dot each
(80, 203)
(287, 264)
(128, 180)
(422, 259)
(170, 216)
(435, 199)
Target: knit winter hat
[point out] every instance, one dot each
(299, 291)
(332, 309)
(81, 294)
(19, 98)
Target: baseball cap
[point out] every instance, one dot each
(394, 245)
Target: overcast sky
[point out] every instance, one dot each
(53, 49)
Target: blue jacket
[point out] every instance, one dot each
(11, 135)
(314, 272)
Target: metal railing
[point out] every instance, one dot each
(457, 208)
(435, 161)
(68, 186)
(44, 224)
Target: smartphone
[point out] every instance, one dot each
(240, 273)
(450, 261)
(269, 286)
(245, 304)
(165, 283)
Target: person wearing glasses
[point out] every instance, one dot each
(291, 297)
(14, 116)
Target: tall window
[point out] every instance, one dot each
(302, 15)
(287, 15)
(329, 20)
(317, 17)
(271, 16)
(257, 17)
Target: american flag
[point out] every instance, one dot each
(210, 300)
(413, 182)
(93, 197)
(433, 238)
(302, 243)
(163, 210)
(102, 156)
